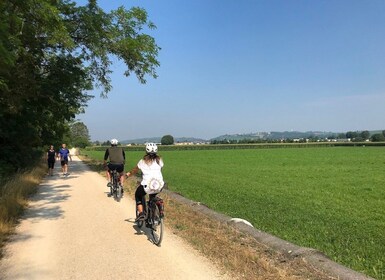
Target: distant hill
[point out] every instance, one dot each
(157, 140)
(275, 135)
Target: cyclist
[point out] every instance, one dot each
(117, 158)
(64, 154)
(152, 179)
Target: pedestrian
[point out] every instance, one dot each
(51, 155)
(64, 154)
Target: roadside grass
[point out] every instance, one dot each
(14, 198)
(331, 199)
(236, 253)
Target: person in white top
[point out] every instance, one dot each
(152, 179)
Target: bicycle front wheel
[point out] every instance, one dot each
(157, 226)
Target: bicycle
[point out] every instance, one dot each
(116, 189)
(153, 217)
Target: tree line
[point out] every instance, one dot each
(353, 136)
(52, 54)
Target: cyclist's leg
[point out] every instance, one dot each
(139, 194)
(120, 169)
(108, 172)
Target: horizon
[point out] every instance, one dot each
(239, 134)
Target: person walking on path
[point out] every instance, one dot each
(64, 154)
(51, 155)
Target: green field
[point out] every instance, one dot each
(331, 199)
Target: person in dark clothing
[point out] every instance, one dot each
(51, 155)
(117, 158)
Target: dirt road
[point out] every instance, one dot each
(72, 230)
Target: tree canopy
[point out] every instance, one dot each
(167, 140)
(52, 53)
(79, 135)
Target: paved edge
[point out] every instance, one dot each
(290, 250)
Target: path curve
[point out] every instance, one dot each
(72, 230)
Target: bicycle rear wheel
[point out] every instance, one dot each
(118, 191)
(157, 226)
(115, 186)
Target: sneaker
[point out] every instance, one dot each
(109, 185)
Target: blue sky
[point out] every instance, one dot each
(246, 66)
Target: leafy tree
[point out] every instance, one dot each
(54, 52)
(351, 134)
(383, 132)
(167, 140)
(106, 143)
(379, 137)
(365, 134)
(79, 135)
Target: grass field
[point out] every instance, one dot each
(331, 199)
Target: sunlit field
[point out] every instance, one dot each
(331, 199)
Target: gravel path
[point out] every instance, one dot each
(72, 230)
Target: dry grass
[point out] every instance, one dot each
(234, 252)
(14, 198)
(237, 253)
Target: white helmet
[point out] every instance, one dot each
(151, 148)
(114, 142)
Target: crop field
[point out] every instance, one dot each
(331, 199)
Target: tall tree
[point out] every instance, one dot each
(365, 134)
(52, 53)
(79, 135)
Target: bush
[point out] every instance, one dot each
(378, 138)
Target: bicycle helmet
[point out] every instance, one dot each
(151, 148)
(114, 142)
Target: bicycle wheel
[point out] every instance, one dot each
(115, 186)
(112, 188)
(156, 225)
(118, 191)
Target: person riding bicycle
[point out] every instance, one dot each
(152, 179)
(117, 158)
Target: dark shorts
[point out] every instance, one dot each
(140, 193)
(51, 164)
(64, 162)
(117, 167)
